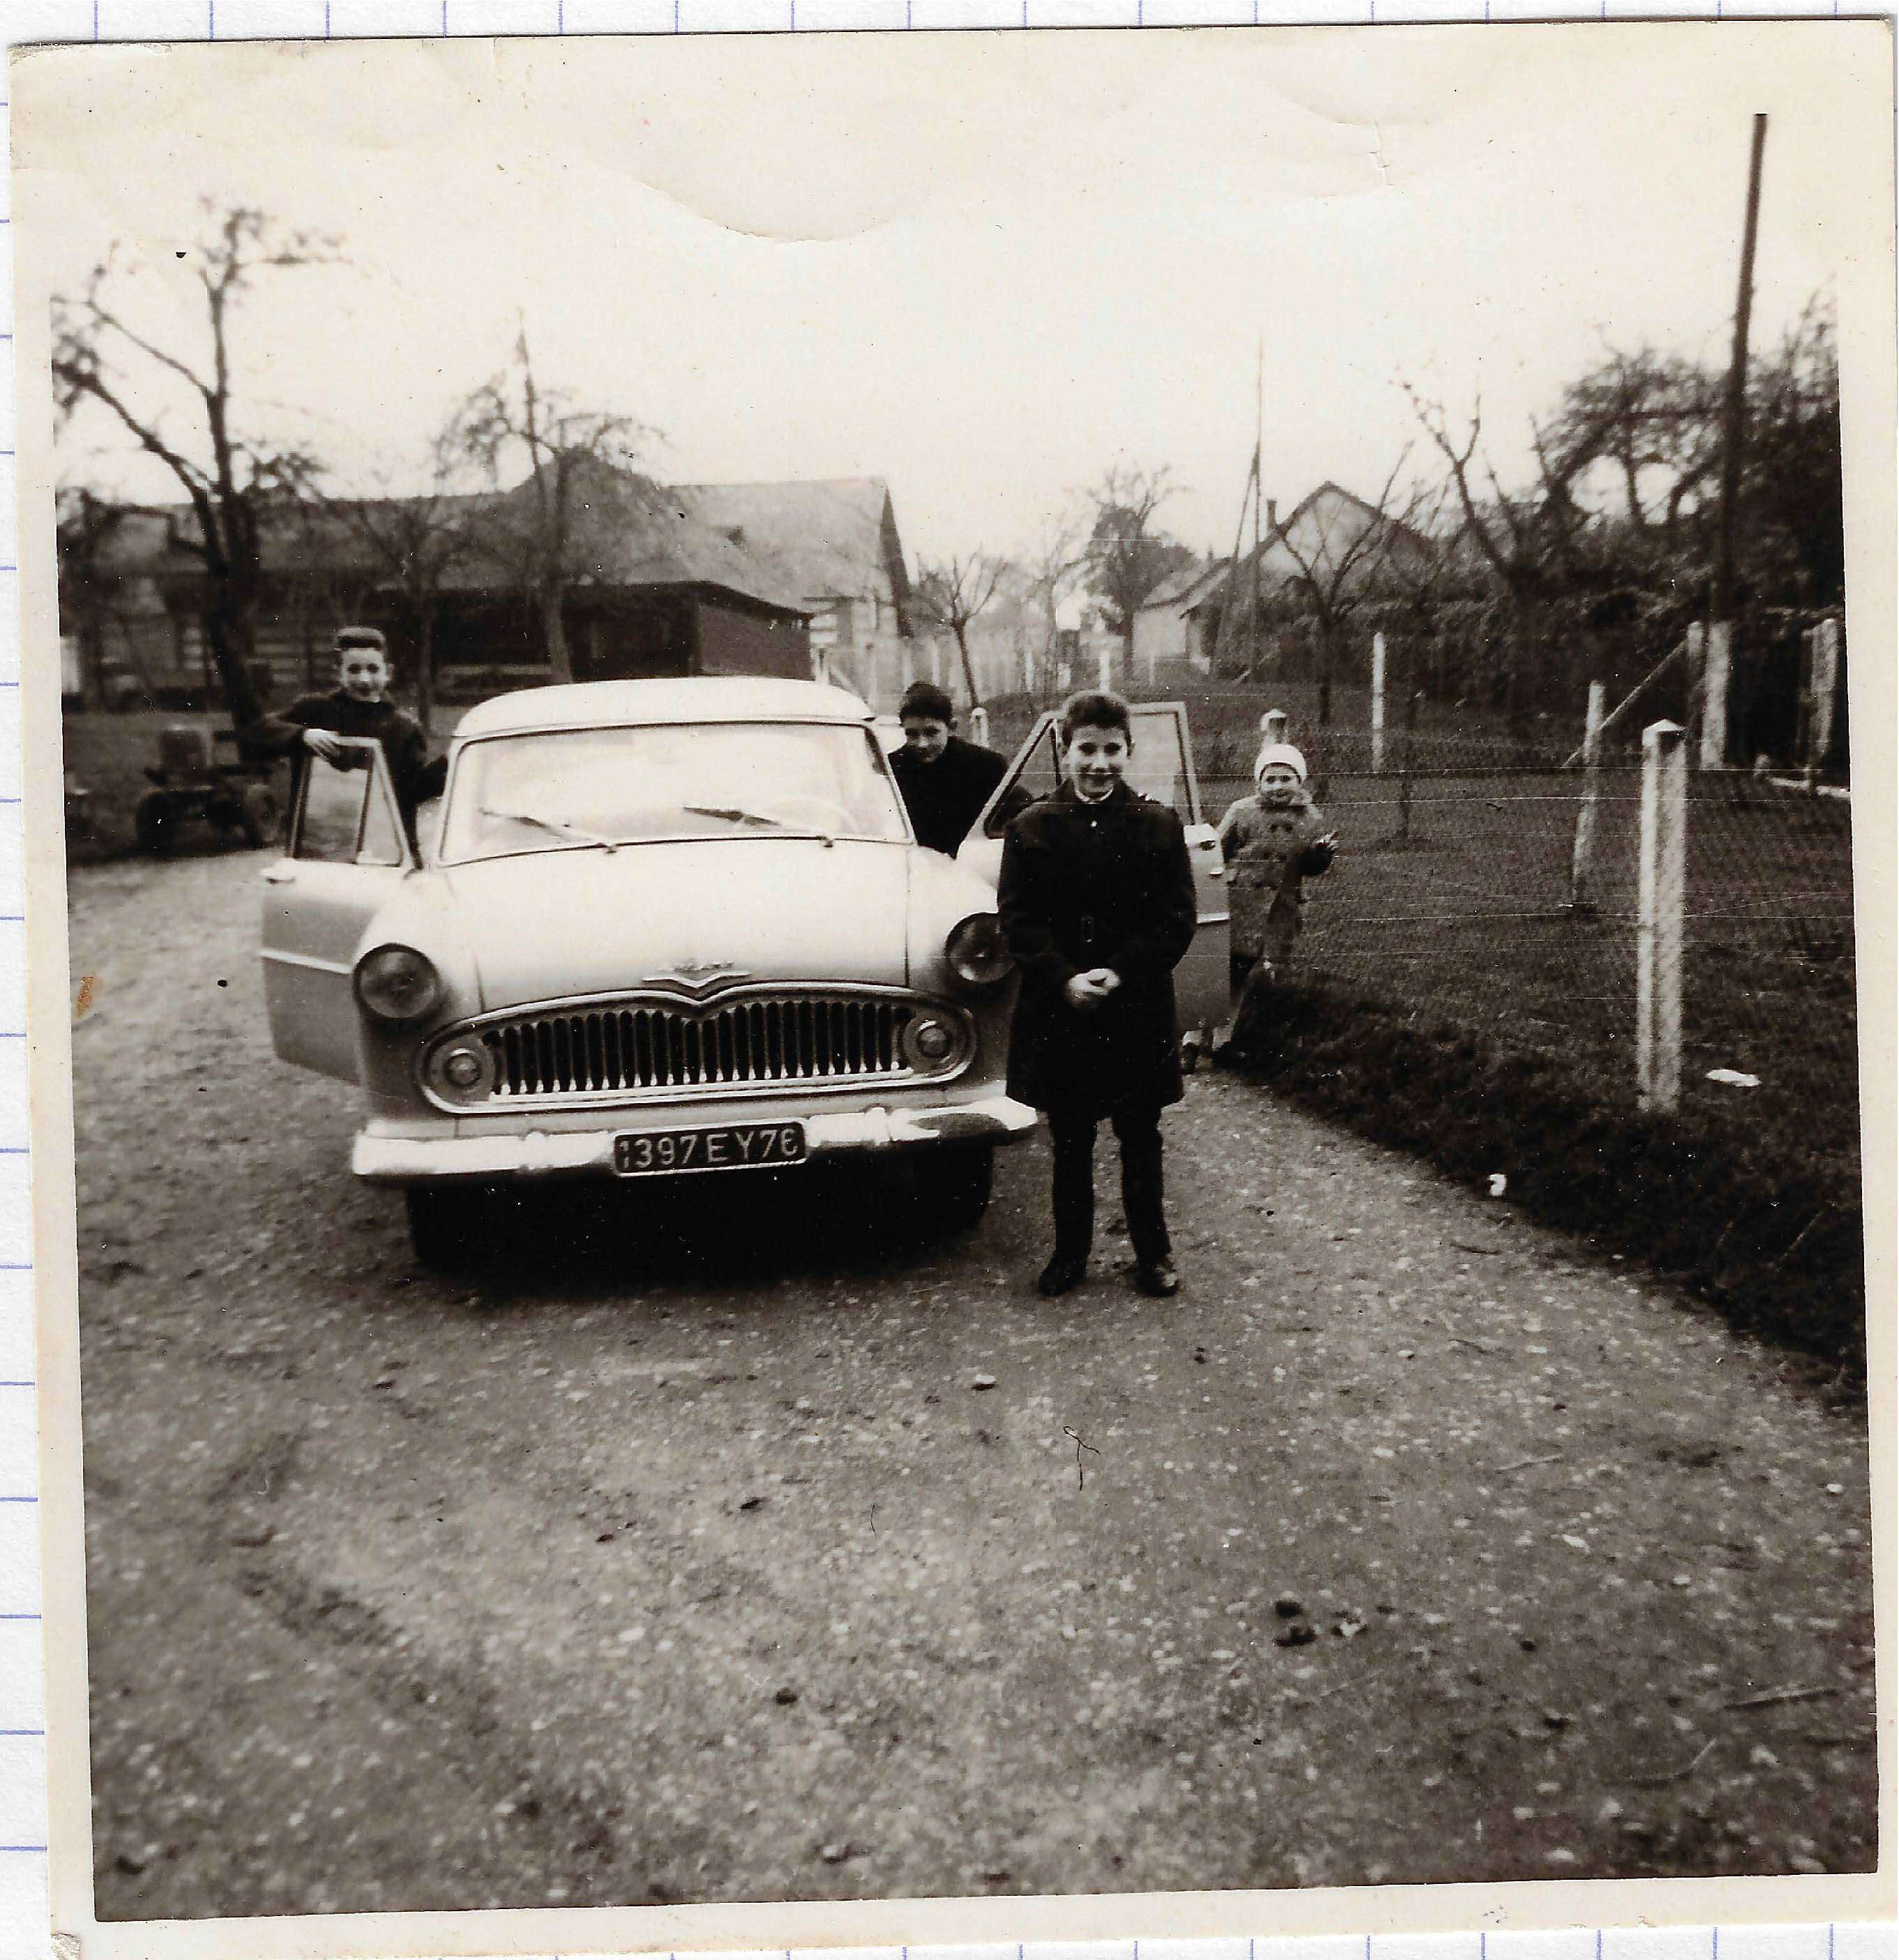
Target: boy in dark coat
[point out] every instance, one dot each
(945, 780)
(1096, 900)
(357, 705)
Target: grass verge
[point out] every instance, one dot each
(1774, 1242)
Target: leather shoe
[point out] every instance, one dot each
(1061, 1274)
(1158, 1279)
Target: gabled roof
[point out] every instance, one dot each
(834, 536)
(629, 531)
(1173, 589)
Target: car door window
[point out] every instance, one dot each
(1161, 767)
(345, 814)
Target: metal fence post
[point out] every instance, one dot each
(1823, 697)
(1377, 703)
(1410, 758)
(1717, 647)
(1582, 860)
(1658, 927)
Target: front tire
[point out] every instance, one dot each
(156, 823)
(952, 1184)
(258, 815)
(445, 1228)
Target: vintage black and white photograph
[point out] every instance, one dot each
(959, 939)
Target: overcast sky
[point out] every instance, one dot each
(982, 267)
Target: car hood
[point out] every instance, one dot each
(555, 923)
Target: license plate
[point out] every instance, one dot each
(739, 1146)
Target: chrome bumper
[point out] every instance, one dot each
(386, 1160)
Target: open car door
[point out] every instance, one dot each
(347, 853)
(1162, 768)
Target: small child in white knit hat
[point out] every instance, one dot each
(1273, 841)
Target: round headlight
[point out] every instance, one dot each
(976, 951)
(395, 983)
(932, 1042)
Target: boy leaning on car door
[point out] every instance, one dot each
(357, 706)
(945, 781)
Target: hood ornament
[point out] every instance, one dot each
(698, 976)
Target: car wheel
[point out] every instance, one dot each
(156, 824)
(952, 1184)
(445, 1228)
(258, 816)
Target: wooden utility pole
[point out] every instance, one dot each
(1259, 488)
(1735, 417)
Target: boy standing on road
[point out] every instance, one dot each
(945, 780)
(1097, 902)
(357, 706)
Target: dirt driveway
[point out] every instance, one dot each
(819, 1560)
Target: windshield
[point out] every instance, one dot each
(605, 788)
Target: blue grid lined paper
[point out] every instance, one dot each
(23, 1815)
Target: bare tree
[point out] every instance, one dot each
(511, 422)
(234, 480)
(413, 543)
(952, 593)
(1052, 569)
(1343, 564)
(1530, 540)
(1126, 555)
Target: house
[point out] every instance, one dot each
(1331, 536)
(1166, 625)
(834, 542)
(652, 590)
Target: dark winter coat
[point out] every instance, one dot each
(415, 779)
(945, 797)
(1086, 885)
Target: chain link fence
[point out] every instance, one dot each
(1454, 897)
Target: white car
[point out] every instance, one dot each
(666, 927)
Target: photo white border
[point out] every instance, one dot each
(1867, 343)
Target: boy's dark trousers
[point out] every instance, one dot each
(1139, 1132)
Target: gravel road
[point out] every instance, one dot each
(763, 1548)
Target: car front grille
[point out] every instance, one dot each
(757, 1042)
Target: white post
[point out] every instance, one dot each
(979, 726)
(1582, 861)
(936, 663)
(1659, 928)
(1824, 696)
(1377, 703)
(1716, 648)
(1272, 725)
(1105, 665)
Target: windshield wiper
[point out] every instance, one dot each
(733, 816)
(758, 817)
(558, 826)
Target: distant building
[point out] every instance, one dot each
(655, 591)
(833, 542)
(1324, 531)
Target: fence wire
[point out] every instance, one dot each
(1452, 897)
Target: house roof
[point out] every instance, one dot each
(1178, 584)
(1278, 564)
(826, 537)
(629, 531)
